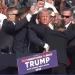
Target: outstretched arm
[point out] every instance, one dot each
(33, 38)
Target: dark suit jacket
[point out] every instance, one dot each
(57, 40)
(9, 28)
(72, 41)
(14, 30)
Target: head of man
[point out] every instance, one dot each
(12, 13)
(67, 15)
(44, 16)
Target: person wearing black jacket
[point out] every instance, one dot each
(55, 39)
(16, 31)
(9, 29)
(67, 15)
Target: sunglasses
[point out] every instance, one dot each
(65, 16)
(13, 14)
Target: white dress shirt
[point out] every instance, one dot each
(67, 25)
(51, 26)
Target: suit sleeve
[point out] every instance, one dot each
(38, 29)
(70, 33)
(21, 24)
(33, 38)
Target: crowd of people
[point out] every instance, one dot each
(36, 26)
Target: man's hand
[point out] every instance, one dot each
(47, 49)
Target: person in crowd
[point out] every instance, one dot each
(6, 36)
(67, 16)
(20, 46)
(23, 2)
(43, 4)
(9, 3)
(11, 27)
(44, 19)
(6, 33)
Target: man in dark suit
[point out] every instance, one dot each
(20, 46)
(17, 28)
(6, 34)
(10, 28)
(51, 38)
(67, 15)
(56, 40)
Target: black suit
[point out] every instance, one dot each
(9, 31)
(56, 40)
(52, 38)
(71, 51)
(6, 38)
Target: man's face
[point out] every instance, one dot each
(12, 15)
(45, 18)
(67, 16)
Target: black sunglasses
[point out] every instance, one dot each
(13, 14)
(65, 16)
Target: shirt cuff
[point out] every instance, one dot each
(28, 16)
(36, 12)
(46, 45)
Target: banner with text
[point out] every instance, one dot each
(37, 62)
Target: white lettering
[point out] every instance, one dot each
(31, 63)
(42, 61)
(47, 59)
(27, 64)
(37, 62)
